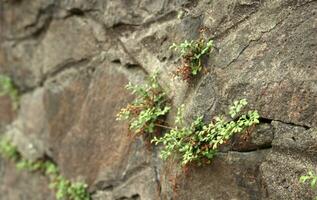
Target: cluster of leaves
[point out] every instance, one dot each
(200, 141)
(191, 54)
(311, 177)
(8, 150)
(65, 189)
(8, 88)
(148, 107)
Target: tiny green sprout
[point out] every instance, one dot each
(8, 150)
(60, 184)
(147, 109)
(47, 167)
(200, 141)
(78, 191)
(8, 88)
(50, 169)
(191, 53)
(311, 177)
(66, 189)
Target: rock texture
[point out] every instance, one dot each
(71, 60)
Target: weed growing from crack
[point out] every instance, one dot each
(310, 177)
(65, 189)
(200, 141)
(148, 107)
(8, 88)
(191, 53)
(8, 150)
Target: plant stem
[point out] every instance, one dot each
(159, 125)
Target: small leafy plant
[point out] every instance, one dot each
(200, 141)
(8, 88)
(311, 177)
(65, 189)
(47, 167)
(191, 54)
(8, 150)
(148, 107)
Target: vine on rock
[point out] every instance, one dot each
(200, 141)
(65, 189)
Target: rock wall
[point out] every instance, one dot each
(72, 58)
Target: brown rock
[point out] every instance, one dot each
(15, 185)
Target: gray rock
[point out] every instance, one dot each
(72, 58)
(293, 154)
(15, 185)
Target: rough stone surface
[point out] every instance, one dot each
(293, 152)
(7, 112)
(71, 60)
(17, 185)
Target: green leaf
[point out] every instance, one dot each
(191, 140)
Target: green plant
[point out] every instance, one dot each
(46, 166)
(65, 189)
(8, 150)
(311, 177)
(78, 191)
(200, 141)
(191, 54)
(8, 88)
(148, 107)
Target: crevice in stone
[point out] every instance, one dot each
(246, 152)
(76, 12)
(155, 164)
(161, 19)
(133, 172)
(135, 62)
(133, 197)
(46, 157)
(116, 61)
(267, 120)
(47, 14)
(67, 65)
(258, 38)
(42, 12)
(104, 186)
(12, 1)
(111, 184)
(306, 3)
(127, 65)
(242, 51)
(63, 67)
(159, 187)
(121, 27)
(233, 27)
(131, 65)
(259, 148)
(293, 124)
(190, 4)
